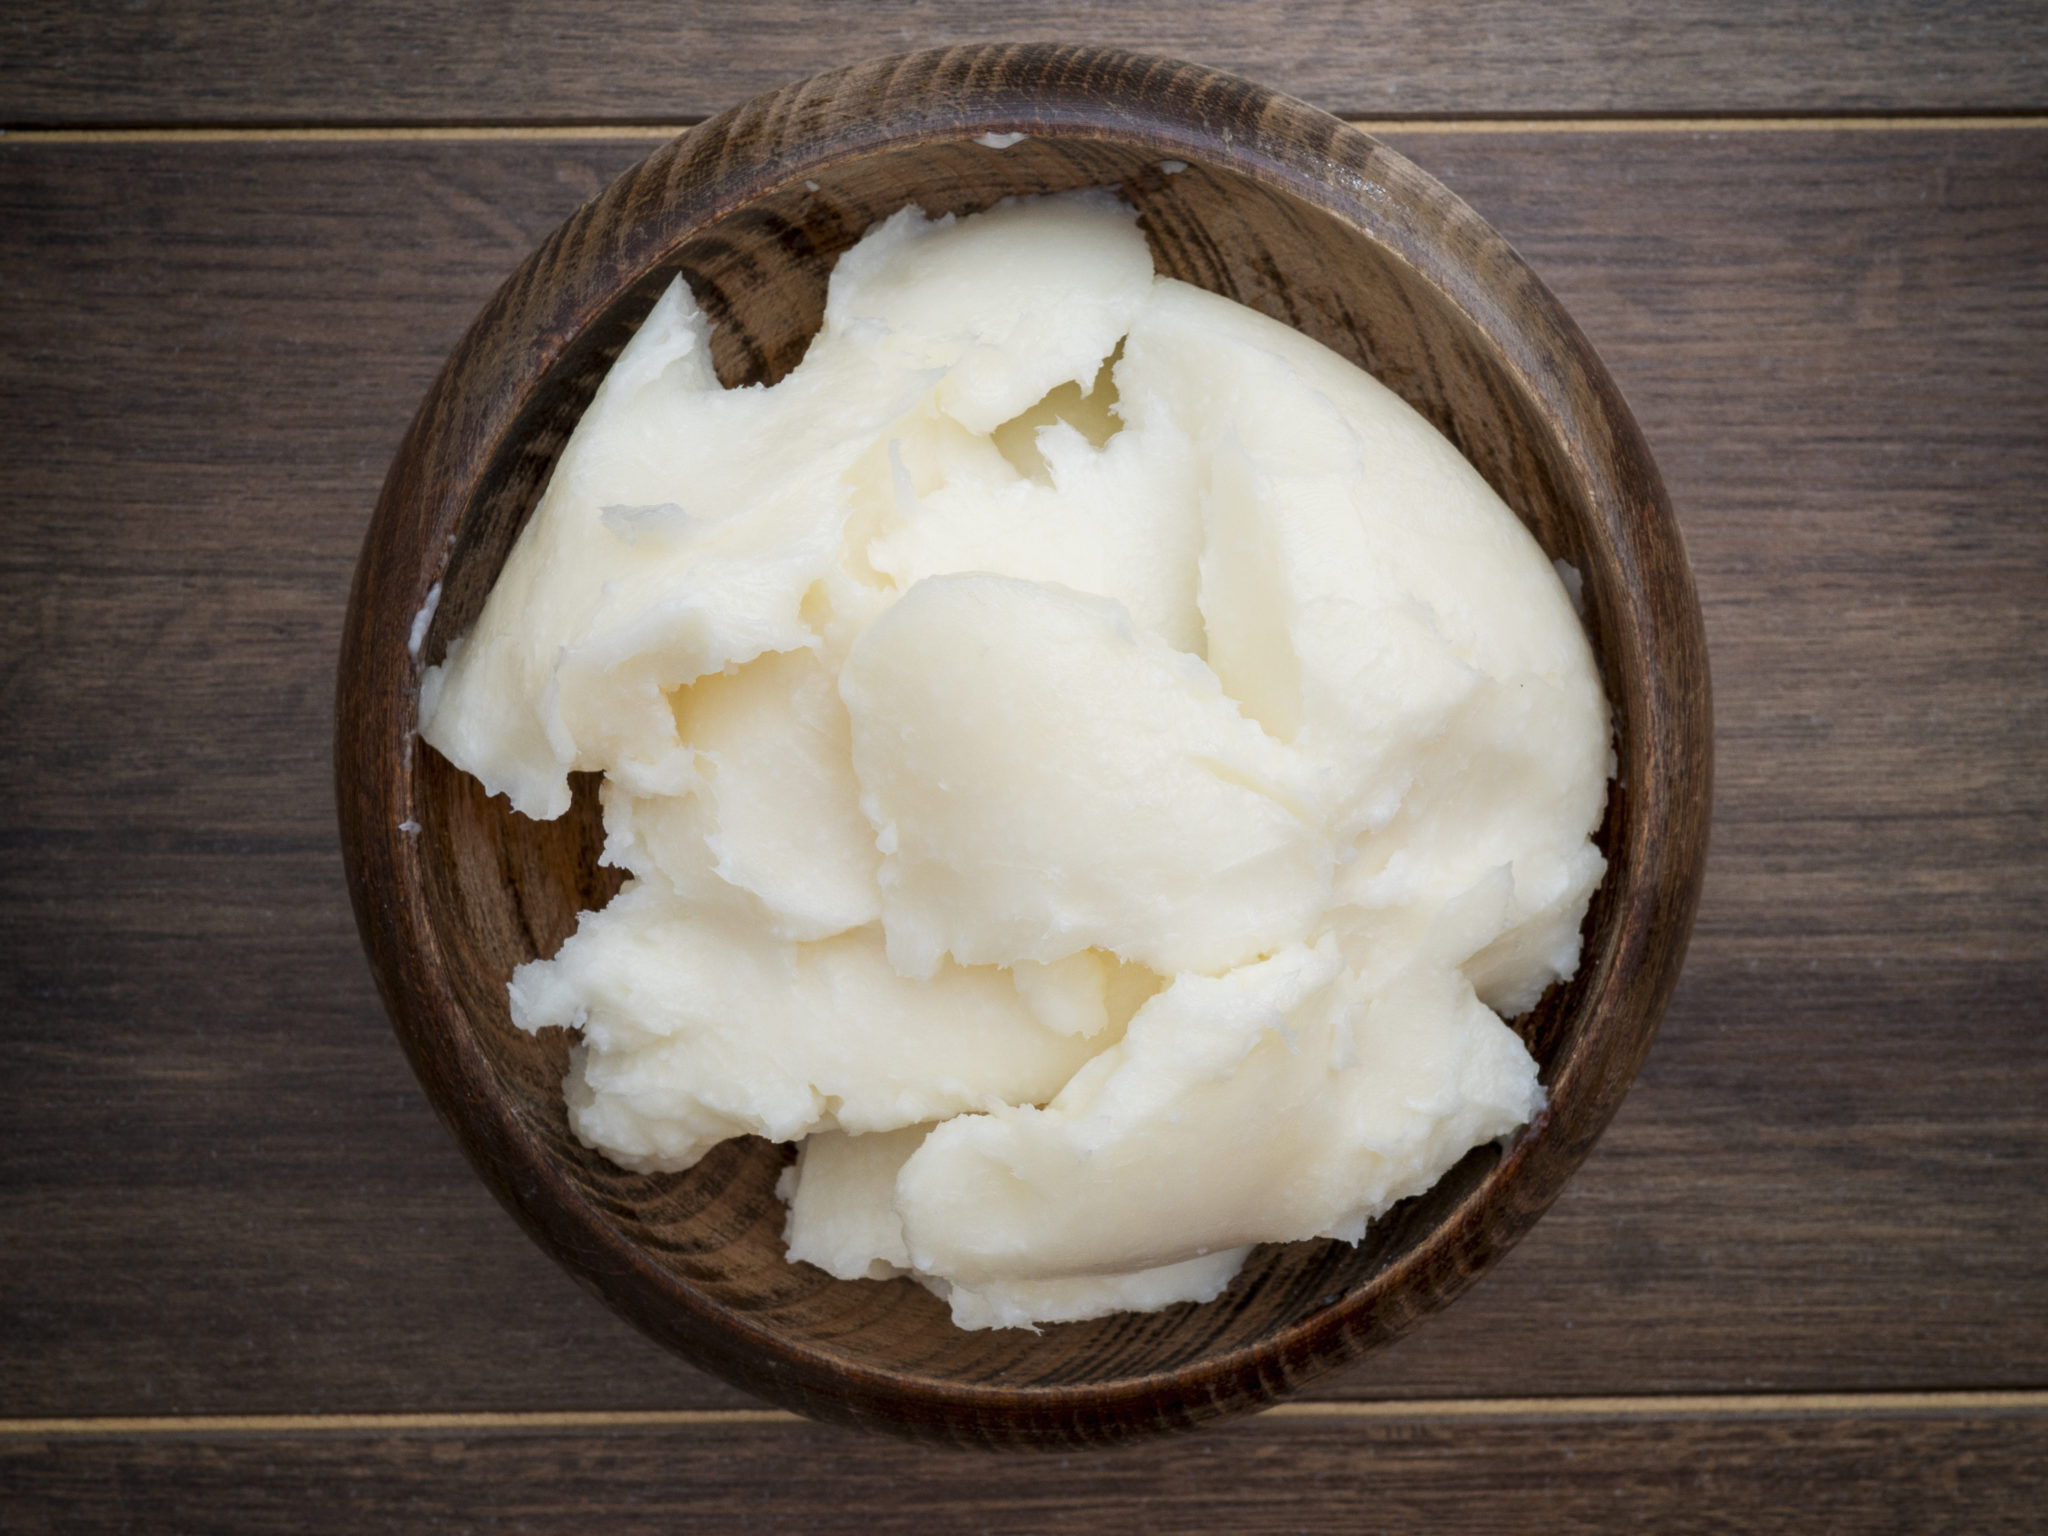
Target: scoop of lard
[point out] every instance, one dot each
(1096, 769)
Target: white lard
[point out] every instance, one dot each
(1095, 768)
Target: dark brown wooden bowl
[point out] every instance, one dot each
(1281, 207)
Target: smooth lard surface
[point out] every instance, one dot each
(1094, 767)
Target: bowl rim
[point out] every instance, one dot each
(1173, 110)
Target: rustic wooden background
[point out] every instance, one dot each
(247, 1284)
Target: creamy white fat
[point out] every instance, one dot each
(1095, 766)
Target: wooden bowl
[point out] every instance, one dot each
(1279, 206)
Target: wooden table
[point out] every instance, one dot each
(246, 1282)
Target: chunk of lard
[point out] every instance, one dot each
(673, 541)
(1169, 1142)
(1046, 780)
(770, 822)
(1108, 518)
(1002, 308)
(843, 1218)
(697, 1028)
(1095, 768)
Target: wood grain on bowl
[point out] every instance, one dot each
(1280, 207)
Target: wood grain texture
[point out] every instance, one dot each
(233, 1196)
(1972, 1476)
(187, 61)
(1270, 203)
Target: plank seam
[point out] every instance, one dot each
(658, 132)
(1423, 1411)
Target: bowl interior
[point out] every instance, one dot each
(502, 889)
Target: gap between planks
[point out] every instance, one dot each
(658, 132)
(1750, 1405)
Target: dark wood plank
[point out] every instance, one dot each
(232, 1197)
(1907, 1473)
(645, 60)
